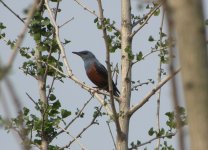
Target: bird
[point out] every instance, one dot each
(96, 72)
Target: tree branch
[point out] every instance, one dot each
(84, 129)
(77, 116)
(69, 71)
(114, 143)
(66, 22)
(74, 138)
(86, 8)
(159, 80)
(93, 12)
(151, 140)
(149, 53)
(20, 39)
(12, 11)
(150, 94)
(146, 19)
(110, 84)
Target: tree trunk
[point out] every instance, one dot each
(189, 24)
(126, 43)
(43, 98)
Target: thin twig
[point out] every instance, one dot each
(18, 107)
(149, 53)
(83, 130)
(147, 18)
(12, 11)
(36, 104)
(94, 13)
(56, 11)
(86, 8)
(16, 100)
(140, 84)
(153, 139)
(151, 93)
(110, 84)
(4, 102)
(21, 37)
(159, 80)
(77, 116)
(66, 22)
(114, 143)
(75, 139)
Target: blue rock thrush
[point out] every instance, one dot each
(96, 72)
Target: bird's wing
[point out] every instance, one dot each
(101, 70)
(104, 73)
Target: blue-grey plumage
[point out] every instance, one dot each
(96, 72)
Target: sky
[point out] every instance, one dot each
(84, 35)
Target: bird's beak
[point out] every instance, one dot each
(77, 53)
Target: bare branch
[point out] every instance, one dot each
(147, 18)
(149, 53)
(36, 104)
(18, 106)
(12, 11)
(114, 143)
(94, 13)
(77, 116)
(150, 94)
(20, 38)
(153, 139)
(66, 22)
(159, 75)
(74, 138)
(86, 8)
(4, 102)
(83, 130)
(110, 84)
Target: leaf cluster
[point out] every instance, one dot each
(114, 36)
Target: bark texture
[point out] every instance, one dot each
(190, 32)
(126, 42)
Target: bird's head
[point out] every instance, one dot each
(85, 55)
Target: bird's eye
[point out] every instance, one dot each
(84, 53)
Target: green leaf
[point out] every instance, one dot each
(96, 20)
(139, 56)
(109, 29)
(99, 26)
(52, 97)
(127, 49)
(46, 21)
(26, 111)
(151, 39)
(65, 113)
(161, 132)
(138, 142)
(56, 105)
(170, 115)
(151, 131)
(163, 34)
(157, 12)
(2, 26)
(66, 41)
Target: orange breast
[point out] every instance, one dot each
(97, 78)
